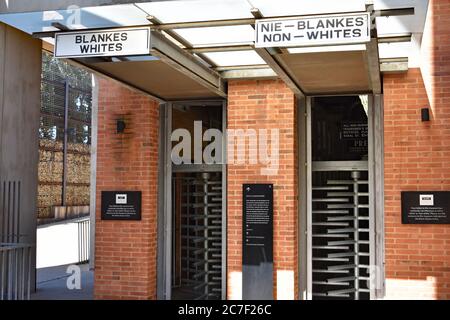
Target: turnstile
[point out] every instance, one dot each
(339, 214)
(340, 232)
(197, 266)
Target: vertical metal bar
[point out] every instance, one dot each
(9, 274)
(22, 274)
(88, 240)
(4, 239)
(205, 177)
(173, 236)
(83, 228)
(301, 150)
(188, 201)
(13, 211)
(375, 178)
(224, 199)
(161, 221)
(18, 210)
(168, 202)
(16, 273)
(355, 177)
(309, 197)
(8, 214)
(66, 121)
(3, 273)
(29, 273)
(82, 241)
(79, 241)
(188, 212)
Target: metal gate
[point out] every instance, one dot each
(339, 191)
(340, 230)
(200, 233)
(15, 257)
(192, 211)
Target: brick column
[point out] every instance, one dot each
(267, 104)
(125, 255)
(417, 158)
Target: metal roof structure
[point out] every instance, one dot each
(217, 37)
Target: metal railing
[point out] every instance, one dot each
(83, 240)
(15, 271)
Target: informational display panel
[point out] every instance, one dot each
(426, 207)
(257, 242)
(121, 205)
(103, 43)
(313, 30)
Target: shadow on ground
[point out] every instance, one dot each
(52, 284)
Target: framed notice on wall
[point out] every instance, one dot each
(426, 207)
(121, 205)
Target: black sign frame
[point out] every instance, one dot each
(425, 207)
(121, 205)
(257, 241)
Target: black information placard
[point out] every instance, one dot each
(121, 205)
(425, 207)
(257, 242)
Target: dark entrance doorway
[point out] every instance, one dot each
(197, 208)
(339, 237)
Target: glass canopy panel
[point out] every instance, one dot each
(118, 15)
(235, 58)
(213, 36)
(94, 17)
(32, 21)
(401, 24)
(303, 7)
(197, 10)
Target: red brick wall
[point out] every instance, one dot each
(267, 104)
(125, 251)
(417, 157)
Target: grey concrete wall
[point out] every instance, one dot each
(20, 87)
(15, 6)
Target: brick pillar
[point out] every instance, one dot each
(267, 104)
(417, 158)
(125, 255)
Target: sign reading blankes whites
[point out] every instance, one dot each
(425, 207)
(313, 30)
(257, 242)
(103, 43)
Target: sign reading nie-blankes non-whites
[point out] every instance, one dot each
(313, 30)
(103, 43)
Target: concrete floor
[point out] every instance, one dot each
(52, 284)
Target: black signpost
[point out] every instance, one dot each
(257, 242)
(121, 205)
(426, 207)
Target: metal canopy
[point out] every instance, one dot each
(169, 74)
(216, 38)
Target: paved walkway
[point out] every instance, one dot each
(52, 284)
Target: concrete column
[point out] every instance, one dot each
(20, 96)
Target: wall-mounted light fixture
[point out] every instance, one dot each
(120, 126)
(425, 113)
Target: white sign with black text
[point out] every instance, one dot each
(103, 43)
(313, 30)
